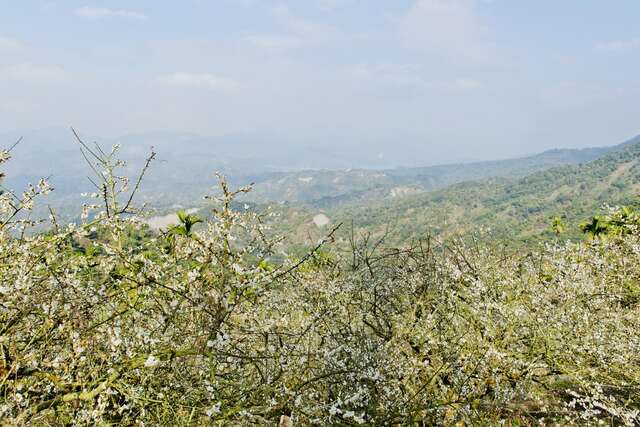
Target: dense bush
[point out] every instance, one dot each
(201, 325)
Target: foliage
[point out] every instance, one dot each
(187, 221)
(621, 220)
(101, 325)
(558, 226)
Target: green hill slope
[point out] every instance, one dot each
(333, 188)
(516, 210)
(512, 208)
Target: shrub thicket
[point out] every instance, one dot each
(201, 325)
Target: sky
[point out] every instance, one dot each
(457, 79)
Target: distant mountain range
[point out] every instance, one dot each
(300, 175)
(515, 209)
(331, 188)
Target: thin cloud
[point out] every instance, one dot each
(242, 3)
(459, 85)
(447, 27)
(8, 44)
(329, 5)
(408, 76)
(389, 74)
(203, 81)
(467, 84)
(305, 29)
(297, 32)
(105, 13)
(275, 43)
(33, 73)
(619, 45)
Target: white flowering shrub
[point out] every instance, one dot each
(106, 323)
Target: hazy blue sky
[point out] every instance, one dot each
(461, 78)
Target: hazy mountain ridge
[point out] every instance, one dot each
(514, 209)
(325, 189)
(183, 172)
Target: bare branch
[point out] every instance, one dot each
(137, 186)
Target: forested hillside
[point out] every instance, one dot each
(516, 210)
(332, 188)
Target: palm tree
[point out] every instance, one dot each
(186, 223)
(598, 225)
(558, 226)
